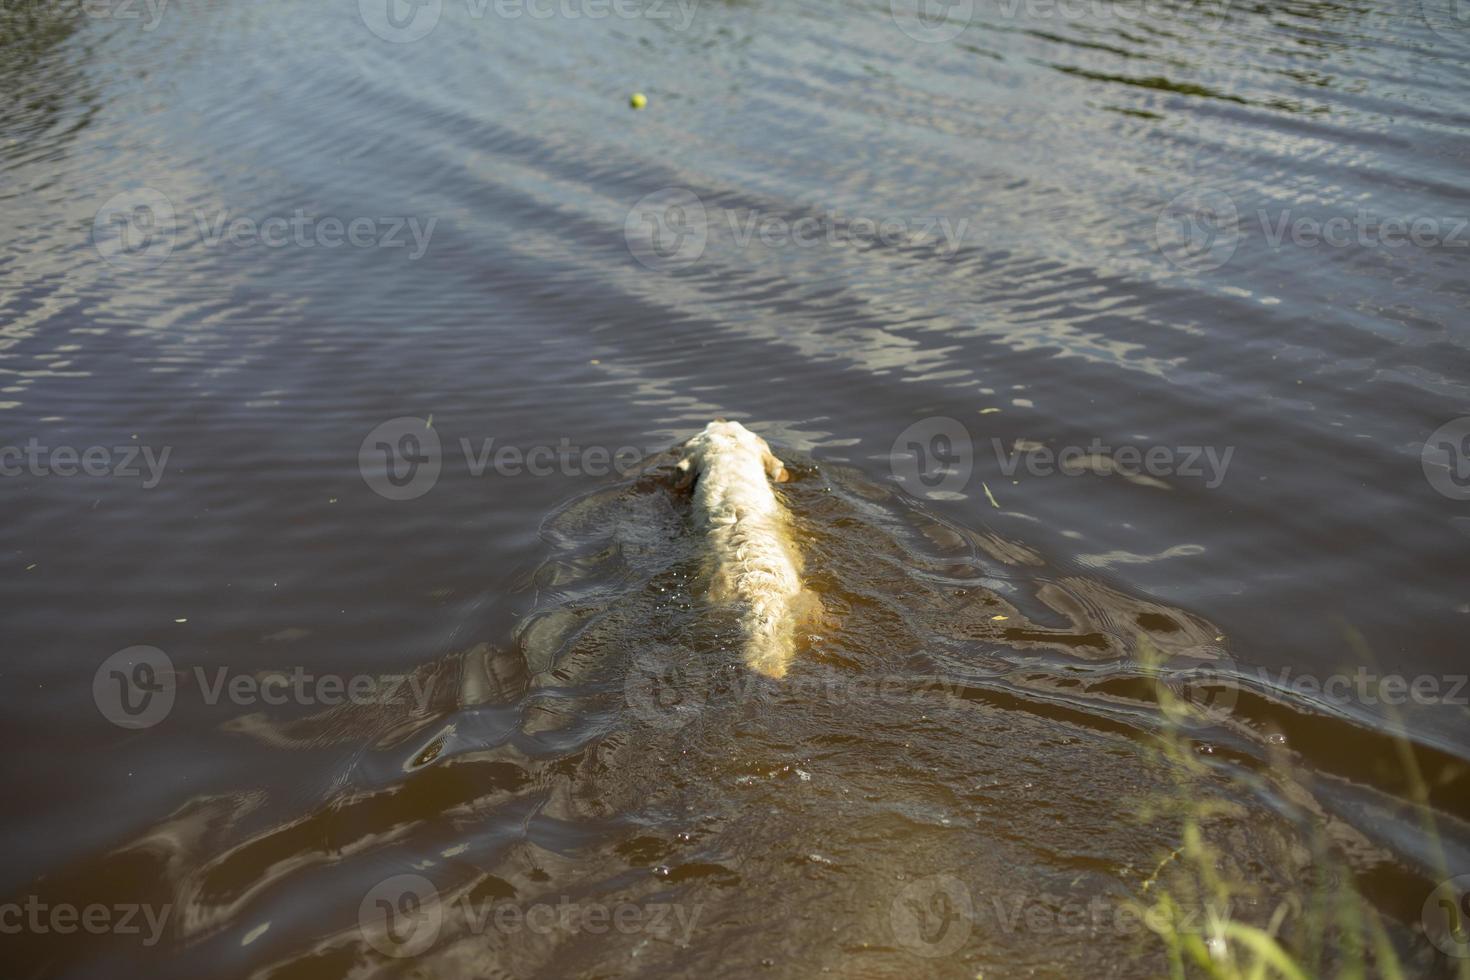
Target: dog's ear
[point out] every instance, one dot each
(775, 469)
(684, 471)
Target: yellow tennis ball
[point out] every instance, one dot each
(637, 100)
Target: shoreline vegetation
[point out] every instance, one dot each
(1327, 929)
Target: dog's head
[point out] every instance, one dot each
(725, 438)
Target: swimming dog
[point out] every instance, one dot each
(754, 563)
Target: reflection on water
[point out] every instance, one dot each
(478, 719)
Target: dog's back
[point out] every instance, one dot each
(755, 564)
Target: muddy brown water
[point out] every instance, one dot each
(373, 642)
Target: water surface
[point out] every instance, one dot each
(897, 246)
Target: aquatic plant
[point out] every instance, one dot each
(1328, 929)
